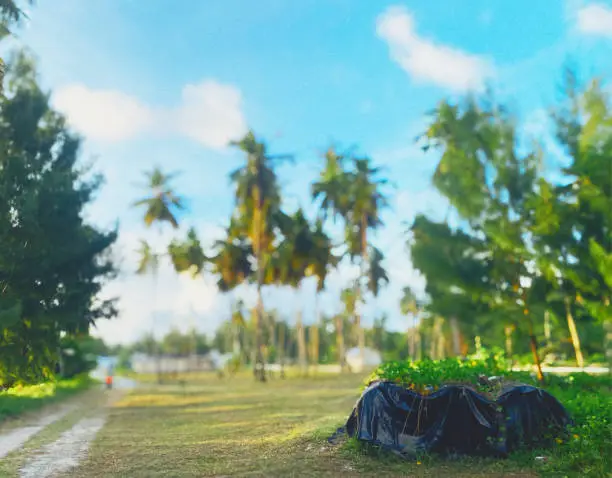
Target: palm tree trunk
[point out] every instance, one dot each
(301, 343)
(534, 347)
(441, 340)
(315, 335)
(364, 261)
(259, 366)
(411, 344)
(547, 330)
(456, 336)
(571, 324)
(259, 370)
(281, 348)
(508, 330)
(418, 343)
(340, 341)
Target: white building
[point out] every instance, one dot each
(371, 359)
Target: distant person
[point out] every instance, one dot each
(109, 377)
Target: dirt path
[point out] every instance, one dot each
(64, 453)
(55, 440)
(15, 438)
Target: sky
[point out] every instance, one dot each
(169, 83)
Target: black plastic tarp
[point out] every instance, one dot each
(455, 419)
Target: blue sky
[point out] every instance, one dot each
(169, 83)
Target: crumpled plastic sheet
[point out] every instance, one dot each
(454, 420)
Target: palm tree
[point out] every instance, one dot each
(161, 205)
(365, 203)
(330, 190)
(290, 264)
(410, 306)
(258, 204)
(231, 264)
(321, 259)
(188, 255)
(349, 297)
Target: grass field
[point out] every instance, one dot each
(236, 427)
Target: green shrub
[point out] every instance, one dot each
(587, 398)
(24, 398)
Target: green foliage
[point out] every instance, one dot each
(427, 375)
(24, 398)
(52, 263)
(587, 449)
(162, 204)
(76, 356)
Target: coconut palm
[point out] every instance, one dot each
(331, 188)
(258, 202)
(290, 265)
(321, 259)
(188, 255)
(365, 202)
(231, 264)
(162, 204)
(410, 306)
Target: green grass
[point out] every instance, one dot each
(237, 427)
(26, 398)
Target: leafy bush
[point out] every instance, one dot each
(426, 375)
(588, 399)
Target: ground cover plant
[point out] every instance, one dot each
(24, 398)
(585, 451)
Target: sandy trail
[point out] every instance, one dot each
(14, 439)
(64, 453)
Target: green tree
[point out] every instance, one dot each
(489, 184)
(52, 263)
(365, 203)
(161, 206)
(258, 203)
(409, 305)
(10, 15)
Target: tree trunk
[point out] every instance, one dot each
(418, 343)
(571, 324)
(508, 330)
(364, 261)
(441, 339)
(301, 343)
(259, 370)
(456, 336)
(608, 343)
(547, 330)
(534, 348)
(315, 335)
(412, 343)
(281, 349)
(340, 342)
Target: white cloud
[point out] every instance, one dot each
(170, 300)
(595, 19)
(209, 113)
(426, 61)
(103, 114)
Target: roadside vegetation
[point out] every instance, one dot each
(587, 450)
(26, 398)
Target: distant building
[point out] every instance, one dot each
(143, 363)
(371, 359)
